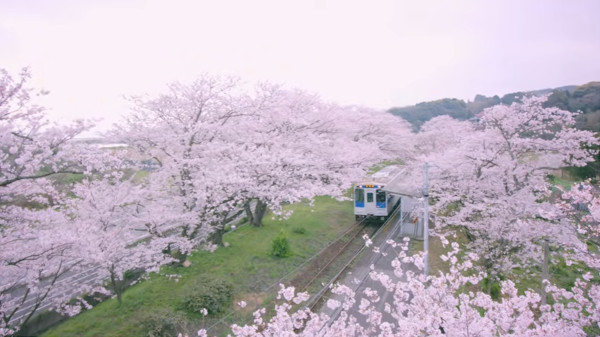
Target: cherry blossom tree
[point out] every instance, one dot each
(583, 202)
(186, 131)
(221, 145)
(118, 228)
(33, 252)
(488, 176)
(300, 147)
(52, 227)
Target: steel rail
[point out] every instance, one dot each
(340, 251)
(315, 299)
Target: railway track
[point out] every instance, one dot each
(325, 268)
(313, 271)
(344, 260)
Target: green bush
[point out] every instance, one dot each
(95, 298)
(163, 323)
(299, 230)
(280, 247)
(40, 322)
(213, 294)
(179, 256)
(495, 289)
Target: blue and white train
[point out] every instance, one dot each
(370, 198)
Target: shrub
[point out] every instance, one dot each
(299, 230)
(179, 256)
(214, 295)
(280, 247)
(95, 298)
(40, 322)
(494, 287)
(163, 323)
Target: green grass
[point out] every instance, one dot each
(436, 249)
(526, 278)
(564, 180)
(246, 263)
(378, 167)
(140, 176)
(564, 183)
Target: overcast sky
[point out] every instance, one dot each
(375, 53)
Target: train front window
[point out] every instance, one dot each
(380, 196)
(359, 197)
(369, 197)
(380, 199)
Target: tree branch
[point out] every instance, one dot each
(43, 175)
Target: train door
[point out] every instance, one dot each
(370, 205)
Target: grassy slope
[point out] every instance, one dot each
(245, 263)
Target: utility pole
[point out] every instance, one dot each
(545, 272)
(426, 217)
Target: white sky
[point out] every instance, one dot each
(376, 53)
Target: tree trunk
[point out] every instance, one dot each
(176, 254)
(249, 215)
(216, 236)
(259, 212)
(115, 284)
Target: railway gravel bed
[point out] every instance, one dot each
(324, 268)
(332, 258)
(345, 264)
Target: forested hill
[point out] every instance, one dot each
(585, 98)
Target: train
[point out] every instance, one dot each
(370, 198)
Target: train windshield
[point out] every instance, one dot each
(359, 197)
(380, 198)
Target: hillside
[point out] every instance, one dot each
(584, 98)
